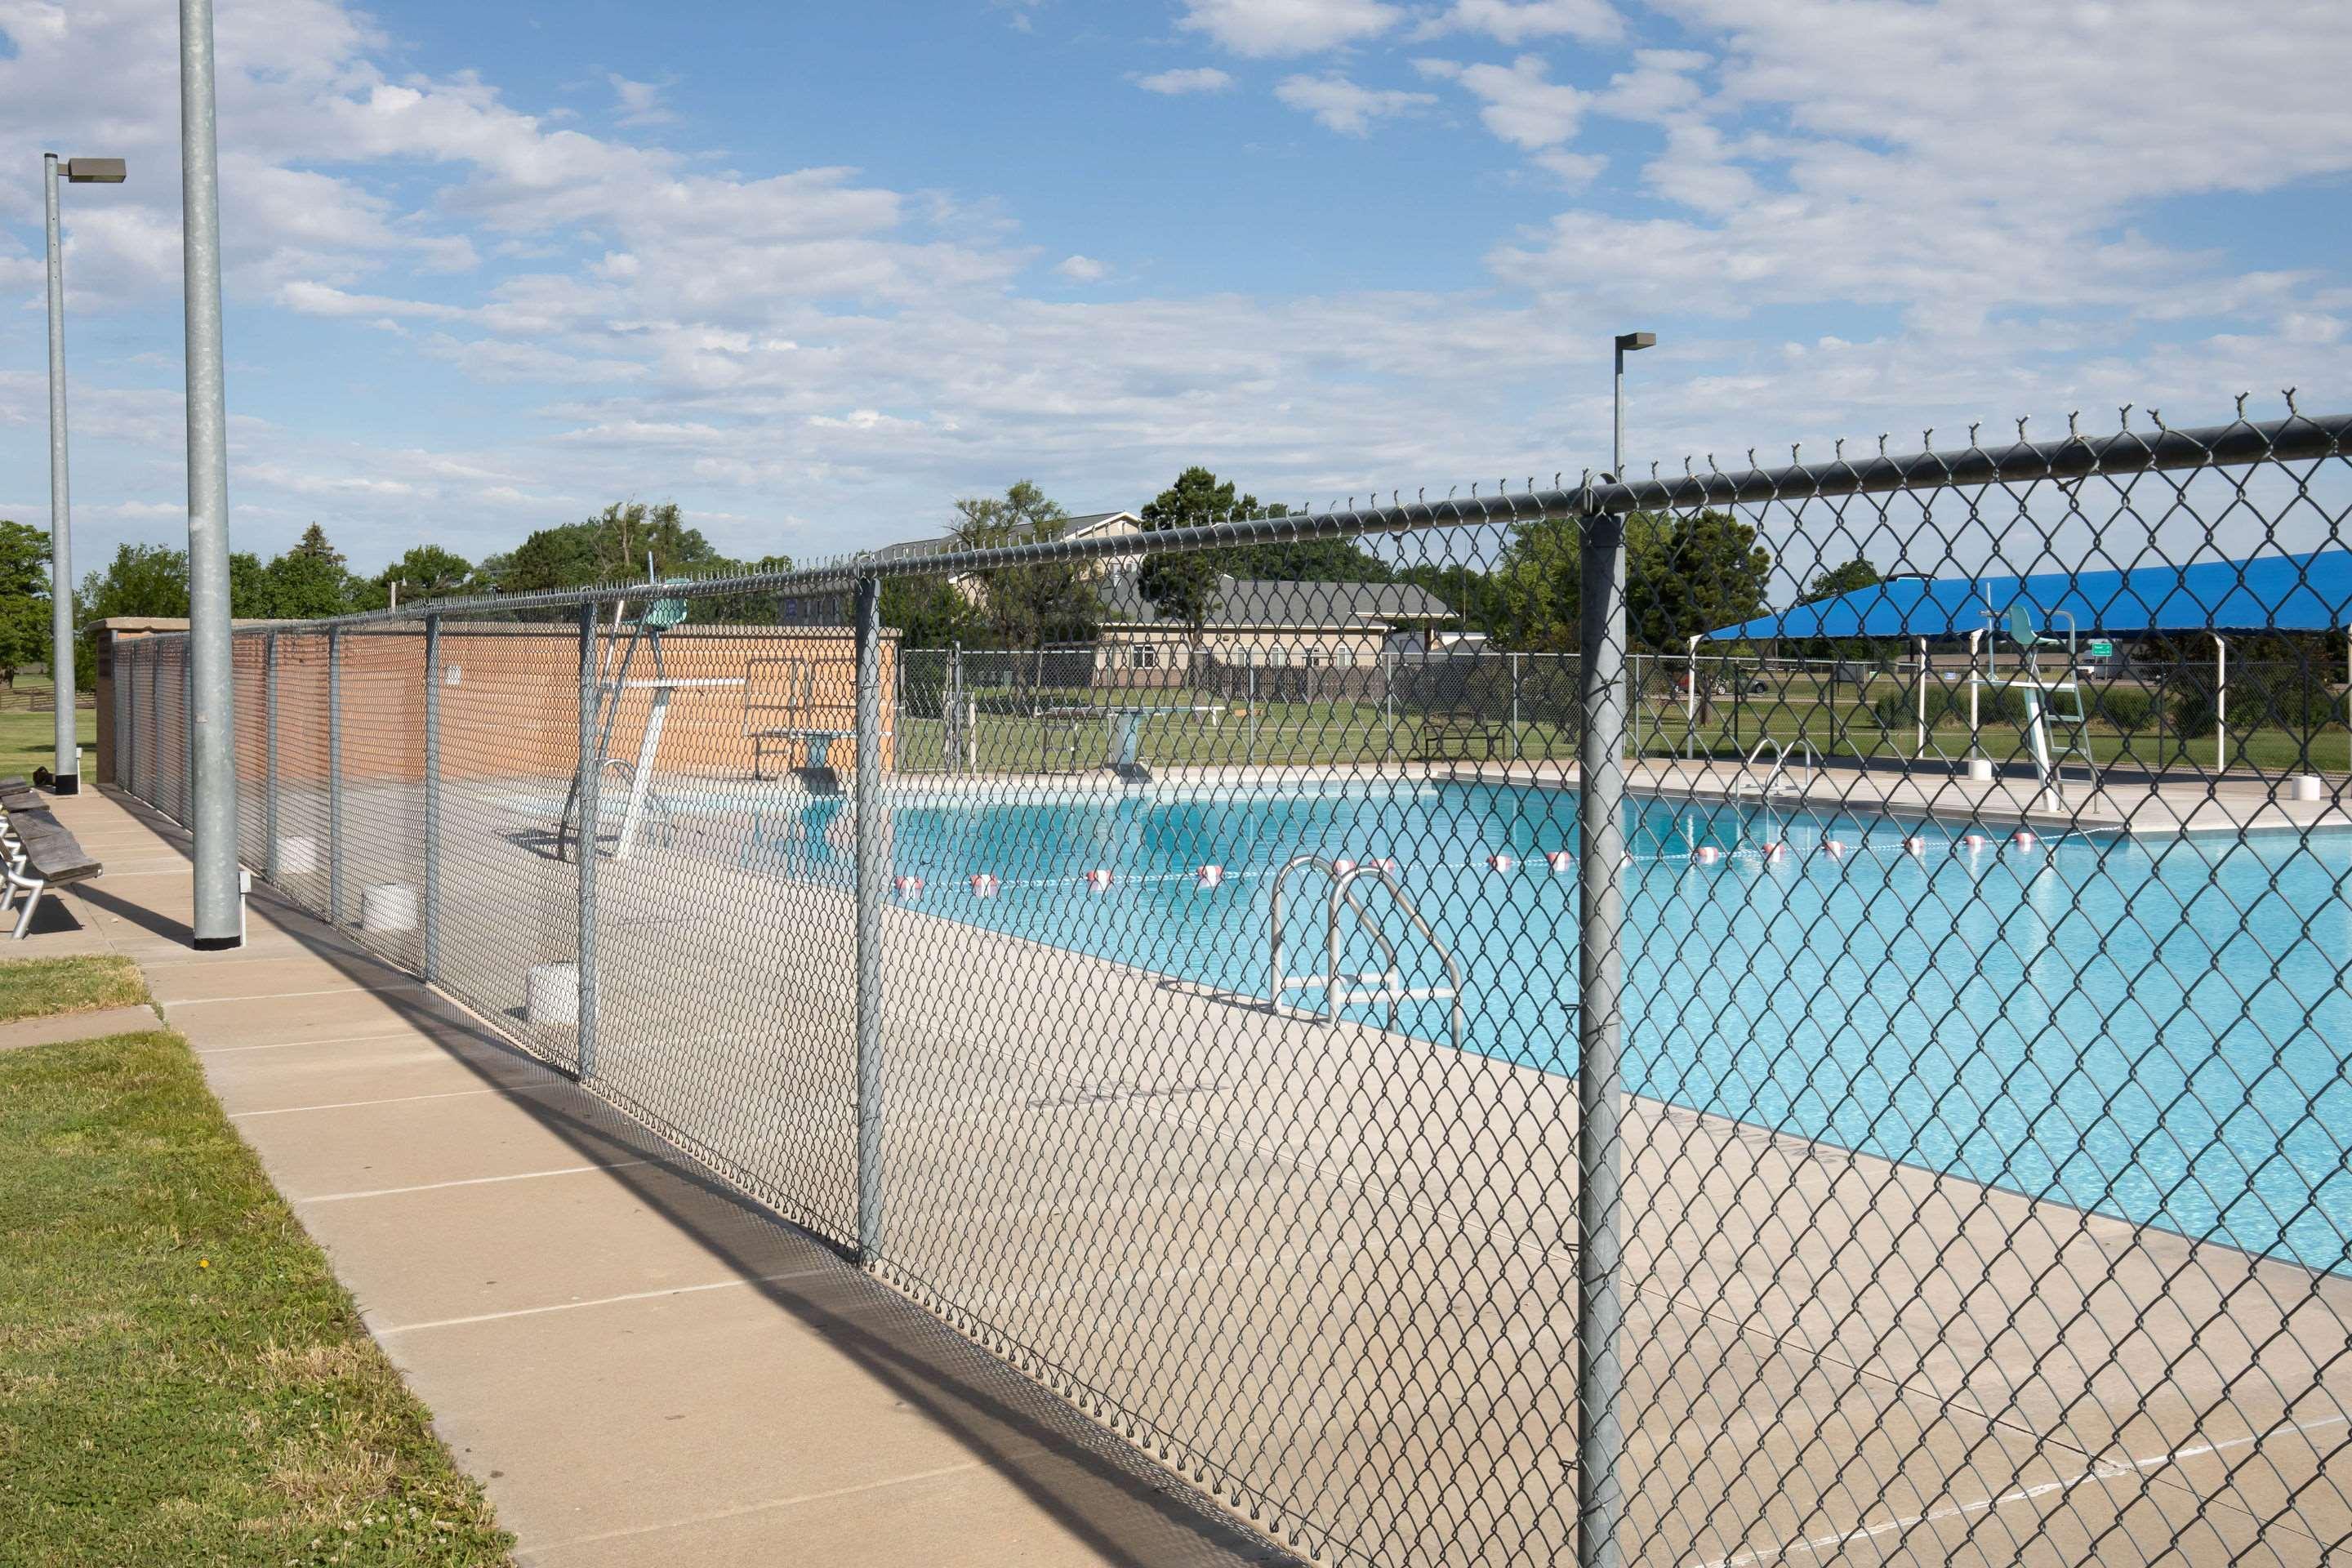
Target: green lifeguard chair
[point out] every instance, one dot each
(659, 615)
(2051, 698)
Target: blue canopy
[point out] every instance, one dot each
(2311, 591)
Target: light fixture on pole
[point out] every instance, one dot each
(1627, 342)
(65, 770)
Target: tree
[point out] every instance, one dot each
(1853, 576)
(1029, 605)
(1187, 587)
(313, 546)
(306, 583)
(426, 572)
(927, 612)
(142, 580)
(610, 547)
(1686, 574)
(23, 597)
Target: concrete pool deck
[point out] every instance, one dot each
(2146, 808)
(1323, 1266)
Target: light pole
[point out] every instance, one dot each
(220, 913)
(66, 770)
(1627, 342)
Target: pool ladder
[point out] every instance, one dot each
(1341, 988)
(1779, 772)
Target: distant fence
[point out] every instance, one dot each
(1502, 1108)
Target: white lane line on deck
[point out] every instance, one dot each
(750, 1508)
(2101, 1472)
(468, 1182)
(358, 1104)
(602, 1302)
(289, 995)
(324, 1040)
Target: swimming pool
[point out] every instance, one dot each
(2156, 1032)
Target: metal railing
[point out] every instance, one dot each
(1933, 1176)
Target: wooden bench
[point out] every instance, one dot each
(42, 854)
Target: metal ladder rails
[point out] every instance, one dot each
(1339, 988)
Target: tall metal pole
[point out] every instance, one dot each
(1599, 1023)
(585, 784)
(873, 882)
(334, 775)
(430, 954)
(68, 766)
(269, 756)
(219, 922)
(1599, 1078)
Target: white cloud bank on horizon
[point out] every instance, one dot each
(803, 344)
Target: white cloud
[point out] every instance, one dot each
(1261, 28)
(1082, 269)
(1195, 79)
(639, 102)
(312, 298)
(1593, 21)
(1522, 107)
(1338, 104)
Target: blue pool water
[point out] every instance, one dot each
(2158, 1032)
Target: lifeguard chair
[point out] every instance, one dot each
(2051, 698)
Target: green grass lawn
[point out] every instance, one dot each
(28, 741)
(1343, 731)
(181, 1380)
(44, 987)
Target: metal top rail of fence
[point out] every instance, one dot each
(1484, 1088)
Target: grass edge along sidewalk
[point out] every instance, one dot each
(182, 1378)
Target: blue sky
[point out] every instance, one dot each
(813, 271)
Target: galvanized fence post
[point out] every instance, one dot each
(428, 958)
(588, 774)
(269, 756)
(188, 733)
(1599, 1081)
(335, 776)
(873, 873)
(1518, 673)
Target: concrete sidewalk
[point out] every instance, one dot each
(638, 1364)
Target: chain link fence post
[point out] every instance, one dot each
(587, 775)
(269, 756)
(873, 882)
(335, 776)
(1599, 1080)
(430, 954)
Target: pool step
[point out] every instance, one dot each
(1392, 987)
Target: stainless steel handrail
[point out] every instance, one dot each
(1393, 990)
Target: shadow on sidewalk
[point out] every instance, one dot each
(1107, 1493)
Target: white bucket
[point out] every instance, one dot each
(553, 995)
(1981, 770)
(388, 906)
(2306, 786)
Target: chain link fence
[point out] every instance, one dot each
(1561, 1073)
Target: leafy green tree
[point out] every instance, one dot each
(142, 580)
(1186, 588)
(426, 572)
(1852, 577)
(313, 546)
(610, 547)
(928, 611)
(1686, 574)
(308, 582)
(1029, 605)
(23, 597)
